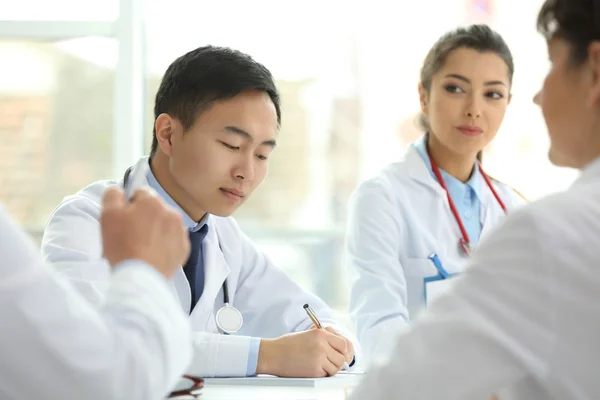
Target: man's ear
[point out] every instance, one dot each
(164, 127)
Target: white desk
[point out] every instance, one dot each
(266, 387)
(272, 388)
(272, 393)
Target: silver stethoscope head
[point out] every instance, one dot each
(229, 319)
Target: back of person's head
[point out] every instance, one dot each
(572, 30)
(476, 37)
(194, 81)
(576, 21)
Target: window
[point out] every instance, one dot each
(56, 123)
(61, 10)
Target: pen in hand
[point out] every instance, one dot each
(313, 317)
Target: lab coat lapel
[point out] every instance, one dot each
(179, 284)
(181, 287)
(419, 172)
(137, 169)
(216, 270)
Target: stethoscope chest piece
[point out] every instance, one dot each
(229, 319)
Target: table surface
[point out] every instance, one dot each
(252, 392)
(273, 393)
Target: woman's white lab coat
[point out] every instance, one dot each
(54, 345)
(522, 321)
(397, 219)
(271, 302)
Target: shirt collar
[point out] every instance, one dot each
(474, 181)
(589, 173)
(192, 225)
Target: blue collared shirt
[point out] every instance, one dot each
(466, 196)
(194, 226)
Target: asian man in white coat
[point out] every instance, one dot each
(217, 117)
(522, 321)
(136, 345)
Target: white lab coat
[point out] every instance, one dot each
(271, 303)
(396, 220)
(54, 345)
(522, 321)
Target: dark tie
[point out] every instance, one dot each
(194, 267)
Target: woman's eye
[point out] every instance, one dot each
(494, 95)
(453, 89)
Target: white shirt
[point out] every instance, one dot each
(396, 220)
(54, 345)
(522, 321)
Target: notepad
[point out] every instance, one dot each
(341, 380)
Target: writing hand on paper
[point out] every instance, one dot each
(314, 353)
(349, 346)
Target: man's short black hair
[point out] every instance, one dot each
(207, 74)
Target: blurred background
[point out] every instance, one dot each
(78, 79)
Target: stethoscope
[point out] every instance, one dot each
(229, 319)
(464, 242)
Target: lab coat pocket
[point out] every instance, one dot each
(416, 271)
(435, 287)
(419, 267)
